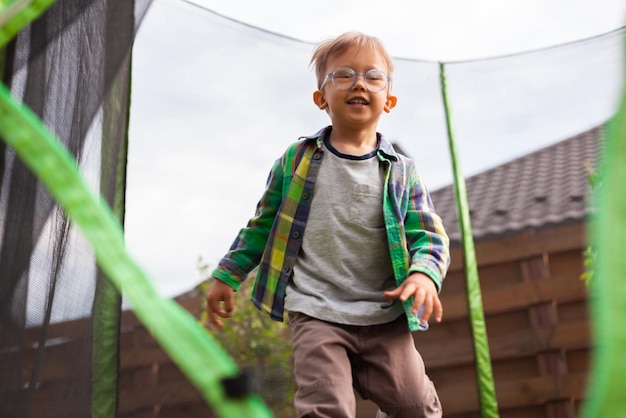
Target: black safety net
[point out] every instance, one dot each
(206, 87)
(71, 67)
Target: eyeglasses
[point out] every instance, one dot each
(345, 79)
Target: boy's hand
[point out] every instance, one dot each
(220, 302)
(423, 289)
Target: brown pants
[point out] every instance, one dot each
(380, 362)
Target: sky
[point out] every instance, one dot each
(442, 30)
(221, 88)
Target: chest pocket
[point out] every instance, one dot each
(366, 205)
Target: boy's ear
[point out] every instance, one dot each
(390, 103)
(320, 101)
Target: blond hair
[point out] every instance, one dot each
(340, 44)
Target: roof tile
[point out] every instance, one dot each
(546, 188)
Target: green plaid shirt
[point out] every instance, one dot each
(272, 238)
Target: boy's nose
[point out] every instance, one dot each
(359, 81)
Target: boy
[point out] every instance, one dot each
(349, 245)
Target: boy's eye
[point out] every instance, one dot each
(343, 74)
(375, 76)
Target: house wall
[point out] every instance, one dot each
(151, 385)
(537, 322)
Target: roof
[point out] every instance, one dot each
(546, 188)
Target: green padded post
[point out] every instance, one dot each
(484, 375)
(605, 393)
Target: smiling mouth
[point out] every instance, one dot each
(358, 101)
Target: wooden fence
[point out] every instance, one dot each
(151, 385)
(537, 323)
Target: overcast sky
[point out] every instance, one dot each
(440, 30)
(216, 101)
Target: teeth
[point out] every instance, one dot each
(358, 101)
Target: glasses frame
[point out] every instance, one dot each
(331, 76)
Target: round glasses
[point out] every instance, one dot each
(345, 79)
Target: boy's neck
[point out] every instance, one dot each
(352, 142)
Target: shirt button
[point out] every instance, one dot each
(305, 196)
(296, 234)
(316, 156)
(286, 269)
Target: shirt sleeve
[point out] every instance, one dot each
(247, 248)
(427, 241)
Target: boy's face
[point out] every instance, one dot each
(356, 107)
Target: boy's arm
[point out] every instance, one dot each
(427, 241)
(245, 253)
(247, 248)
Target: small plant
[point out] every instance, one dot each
(594, 179)
(589, 261)
(255, 341)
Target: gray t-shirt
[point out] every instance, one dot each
(344, 265)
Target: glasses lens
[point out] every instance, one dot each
(375, 80)
(344, 78)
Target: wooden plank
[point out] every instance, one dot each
(567, 261)
(189, 301)
(74, 329)
(573, 311)
(515, 344)
(462, 397)
(190, 410)
(500, 275)
(534, 411)
(59, 398)
(491, 277)
(560, 288)
(153, 412)
(143, 356)
(61, 361)
(524, 245)
(174, 392)
(571, 335)
(534, 391)
(503, 323)
(561, 408)
(578, 360)
(503, 370)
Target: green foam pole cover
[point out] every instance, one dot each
(606, 395)
(484, 375)
(16, 14)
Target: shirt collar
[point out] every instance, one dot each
(384, 147)
(318, 136)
